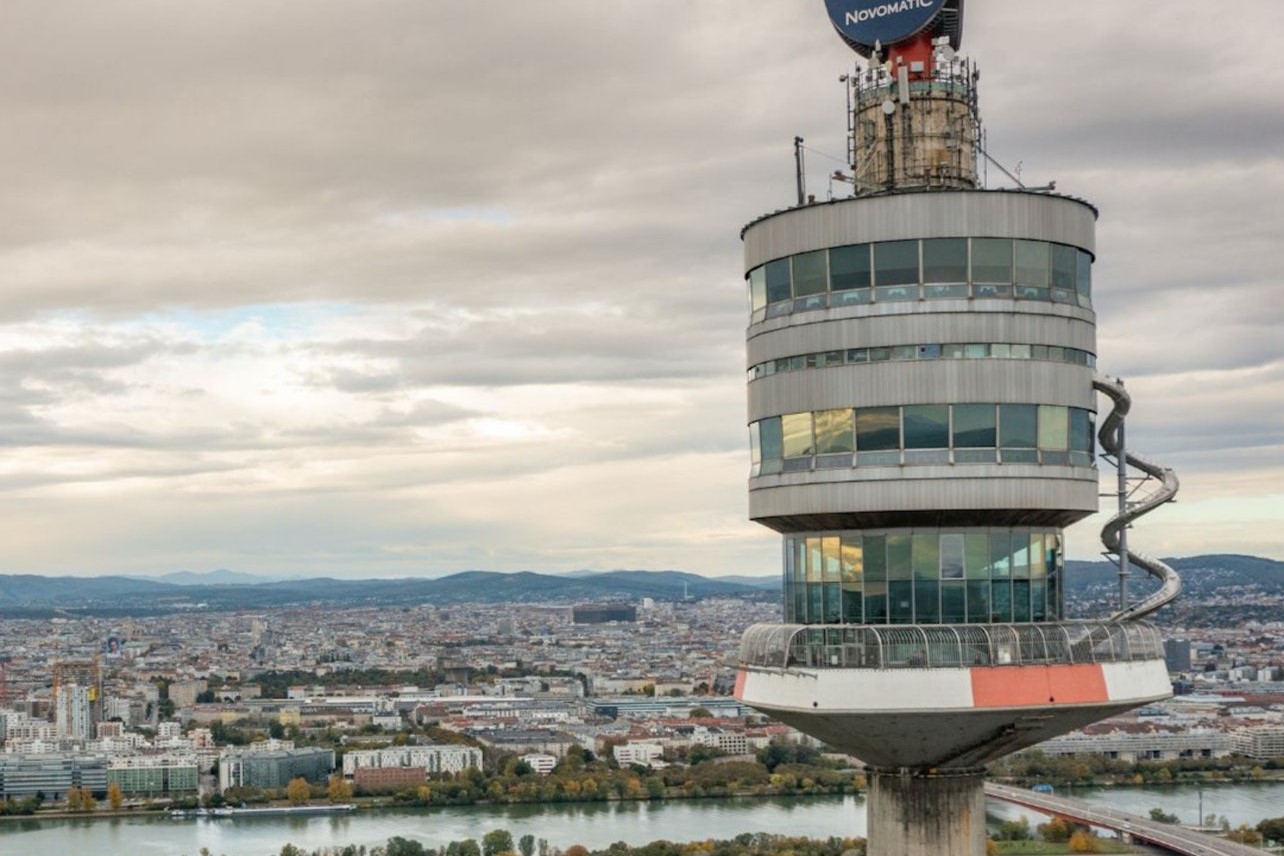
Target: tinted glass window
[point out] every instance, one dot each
(896, 263)
(778, 281)
(1064, 264)
(945, 260)
(878, 429)
(849, 267)
(927, 426)
(810, 276)
(1032, 263)
(1080, 430)
(974, 426)
(796, 428)
(1018, 426)
(758, 288)
(992, 260)
(834, 432)
(1083, 278)
(875, 557)
(927, 556)
(769, 436)
(898, 557)
(951, 557)
(1054, 428)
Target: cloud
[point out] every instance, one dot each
(411, 287)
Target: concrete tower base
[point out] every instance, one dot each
(917, 813)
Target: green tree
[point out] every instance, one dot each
(468, 847)
(1272, 829)
(701, 713)
(526, 845)
(497, 841)
(1158, 815)
(398, 846)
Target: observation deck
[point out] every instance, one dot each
(948, 696)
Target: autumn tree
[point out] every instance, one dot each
(1084, 842)
(298, 791)
(115, 796)
(339, 789)
(75, 802)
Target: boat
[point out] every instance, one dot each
(277, 811)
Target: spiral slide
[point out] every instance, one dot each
(1111, 442)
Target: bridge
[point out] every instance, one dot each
(1175, 839)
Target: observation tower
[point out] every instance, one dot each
(923, 410)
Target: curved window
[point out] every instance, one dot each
(930, 351)
(930, 269)
(919, 434)
(924, 576)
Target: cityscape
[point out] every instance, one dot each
(375, 462)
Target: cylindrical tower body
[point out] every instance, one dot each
(920, 402)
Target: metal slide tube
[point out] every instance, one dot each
(1111, 439)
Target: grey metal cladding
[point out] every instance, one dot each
(829, 334)
(952, 214)
(1076, 492)
(927, 382)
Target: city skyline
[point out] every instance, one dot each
(404, 290)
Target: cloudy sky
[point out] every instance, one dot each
(410, 286)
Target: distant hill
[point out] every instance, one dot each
(33, 595)
(1090, 587)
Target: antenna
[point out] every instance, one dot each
(800, 171)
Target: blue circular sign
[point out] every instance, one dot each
(865, 22)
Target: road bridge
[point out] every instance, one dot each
(1175, 839)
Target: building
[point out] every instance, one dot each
(73, 711)
(154, 775)
(1177, 655)
(273, 769)
(541, 763)
(1263, 743)
(384, 779)
(431, 760)
(1147, 746)
(644, 754)
(604, 613)
(52, 775)
(922, 407)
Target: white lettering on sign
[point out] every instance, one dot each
(862, 15)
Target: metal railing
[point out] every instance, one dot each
(922, 646)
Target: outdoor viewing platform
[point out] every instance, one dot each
(922, 646)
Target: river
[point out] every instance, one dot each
(595, 825)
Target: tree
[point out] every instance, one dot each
(75, 802)
(1160, 816)
(398, 846)
(1245, 834)
(298, 791)
(526, 845)
(1015, 830)
(1272, 829)
(497, 841)
(115, 797)
(468, 847)
(339, 789)
(1056, 831)
(1084, 842)
(701, 713)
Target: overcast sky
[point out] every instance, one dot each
(412, 287)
